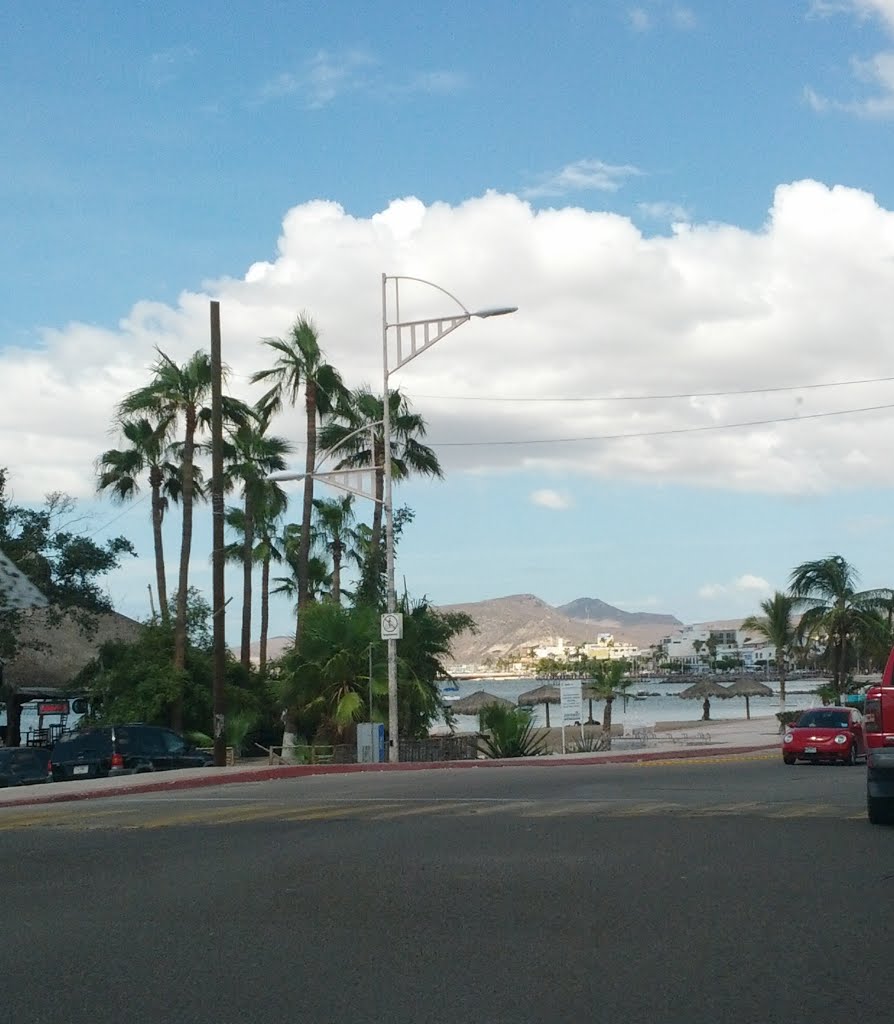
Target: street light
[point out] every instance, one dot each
(420, 335)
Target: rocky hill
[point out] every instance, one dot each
(510, 624)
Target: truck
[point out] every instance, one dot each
(878, 728)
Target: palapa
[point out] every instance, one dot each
(476, 702)
(704, 690)
(748, 688)
(545, 695)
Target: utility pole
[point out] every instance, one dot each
(218, 600)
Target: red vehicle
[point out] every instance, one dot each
(825, 734)
(879, 718)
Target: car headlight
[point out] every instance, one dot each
(840, 738)
(787, 738)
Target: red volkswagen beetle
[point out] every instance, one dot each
(825, 734)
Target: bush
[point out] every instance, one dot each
(510, 733)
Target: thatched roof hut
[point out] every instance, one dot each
(476, 702)
(748, 688)
(545, 695)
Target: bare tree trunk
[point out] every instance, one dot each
(265, 614)
(183, 577)
(607, 724)
(158, 514)
(307, 509)
(247, 566)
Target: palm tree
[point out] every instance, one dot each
(317, 576)
(251, 456)
(300, 363)
(174, 392)
(119, 470)
(334, 530)
(361, 449)
(606, 681)
(833, 609)
(267, 551)
(778, 629)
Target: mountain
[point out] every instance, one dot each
(592, 609)
(512, 624)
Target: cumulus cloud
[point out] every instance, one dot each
(550, 499)
(639, 18)
(582, 176)
(631, 358)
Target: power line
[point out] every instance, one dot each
(660, 433)
(656, 398)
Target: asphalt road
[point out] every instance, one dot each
(733, 890)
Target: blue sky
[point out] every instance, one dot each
(682, 198)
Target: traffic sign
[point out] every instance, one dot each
(392, 626)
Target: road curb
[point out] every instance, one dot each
(58, 793)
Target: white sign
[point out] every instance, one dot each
(16, 590)
(392, 626)
(570, 691)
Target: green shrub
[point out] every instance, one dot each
(510, 732)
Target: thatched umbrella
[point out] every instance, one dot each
(748, 688)
(476, 702)
(545, 695)
(704, 690)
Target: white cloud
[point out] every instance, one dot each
(582, 176)
(683, 17)
(877, 72)
(550, 499)
(666, 211)
(640, 20)
(746, 584)
(327, 76)
(605, 313)
(165, 66)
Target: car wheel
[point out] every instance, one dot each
(789, 758)
(879, 811)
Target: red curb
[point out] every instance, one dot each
(30, 798)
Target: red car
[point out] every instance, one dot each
(825, 734)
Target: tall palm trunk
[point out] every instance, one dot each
(607, 723)
(335, 593)
(780, 665)
(158, 513)
(183, 577)
(379, 503)
(247, 566)
(307, 509)
(265, 613)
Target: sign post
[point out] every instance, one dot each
(570, 692)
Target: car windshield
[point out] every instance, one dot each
(823, 719)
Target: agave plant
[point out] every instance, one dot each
(510, 732)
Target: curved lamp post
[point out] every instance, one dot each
(411, 338)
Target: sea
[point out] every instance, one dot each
(648, 701)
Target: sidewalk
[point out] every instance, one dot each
(677, 740)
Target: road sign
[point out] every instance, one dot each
(392, 626)
(570, 692)
(16, 590)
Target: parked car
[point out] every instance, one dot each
(879, 718)
(827, 734)
(24, 766)
(123, 750)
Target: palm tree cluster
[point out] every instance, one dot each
(163, 426)
(823, 610)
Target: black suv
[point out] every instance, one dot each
(24, 766)
(122, 750)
